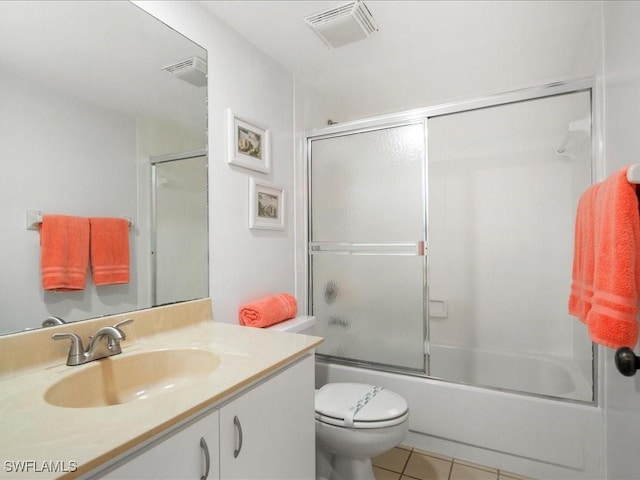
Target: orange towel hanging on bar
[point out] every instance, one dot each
(64, 255)
(109, 250)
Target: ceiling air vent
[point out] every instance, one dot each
(343, 25)
(192, 70)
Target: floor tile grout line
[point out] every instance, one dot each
(406, 462)
(450, 469)
(451, 461)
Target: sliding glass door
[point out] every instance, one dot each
(484, 301)
(504, 184)
(367, 243)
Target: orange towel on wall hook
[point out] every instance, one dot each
(605, 286)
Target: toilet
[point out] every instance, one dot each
(354, 422)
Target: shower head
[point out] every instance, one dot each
(575, 134)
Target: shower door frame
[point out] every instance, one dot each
(423, 115)
(154, 161)
(393, 248)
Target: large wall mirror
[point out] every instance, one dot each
(85, 107)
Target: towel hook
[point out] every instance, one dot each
(627, 362)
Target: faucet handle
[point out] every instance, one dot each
(76, 351)
(122, 323)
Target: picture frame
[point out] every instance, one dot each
(266, 205)
(249, 143)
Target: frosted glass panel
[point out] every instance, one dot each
(367, 222)
(369, 308)
(502, 204)
(368, 187)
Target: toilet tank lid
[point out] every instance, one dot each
(358, 402)
(295, 325)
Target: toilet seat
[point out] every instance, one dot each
(358, 405)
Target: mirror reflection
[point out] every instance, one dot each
(85, 107)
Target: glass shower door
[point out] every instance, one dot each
(180, 219)
(504, 184)
(367, 233)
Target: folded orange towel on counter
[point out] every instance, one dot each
(109, 250)
(64, 242)
(269, 310)
(605, 288)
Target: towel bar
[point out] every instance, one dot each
(34, 219)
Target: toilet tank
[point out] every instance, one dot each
(301, 324)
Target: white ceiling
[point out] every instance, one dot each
(425, 52)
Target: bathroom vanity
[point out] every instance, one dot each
(187, 396)
(252, 435)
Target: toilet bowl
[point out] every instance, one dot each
(355, 422)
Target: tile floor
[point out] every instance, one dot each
(406, 463)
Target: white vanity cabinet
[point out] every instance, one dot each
(184, 455)
(268, 432)
(264, 432)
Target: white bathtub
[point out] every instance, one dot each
(542, 375)
(538, 437)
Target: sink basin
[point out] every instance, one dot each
(126, 378)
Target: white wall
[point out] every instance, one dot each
(53, 150)
(622, 147)
(244, 264)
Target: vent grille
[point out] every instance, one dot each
(192, 70)
(342, 25)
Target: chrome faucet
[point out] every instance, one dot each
(97, 348)
(53, 321)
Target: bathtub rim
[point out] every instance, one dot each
(594, 402)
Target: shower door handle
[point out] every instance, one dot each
(418, 248)
(422, 248)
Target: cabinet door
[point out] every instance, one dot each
(269, 431)
(180, 456)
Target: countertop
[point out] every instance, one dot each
(39, 434)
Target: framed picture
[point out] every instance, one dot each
(266, 205)
(249, 144)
